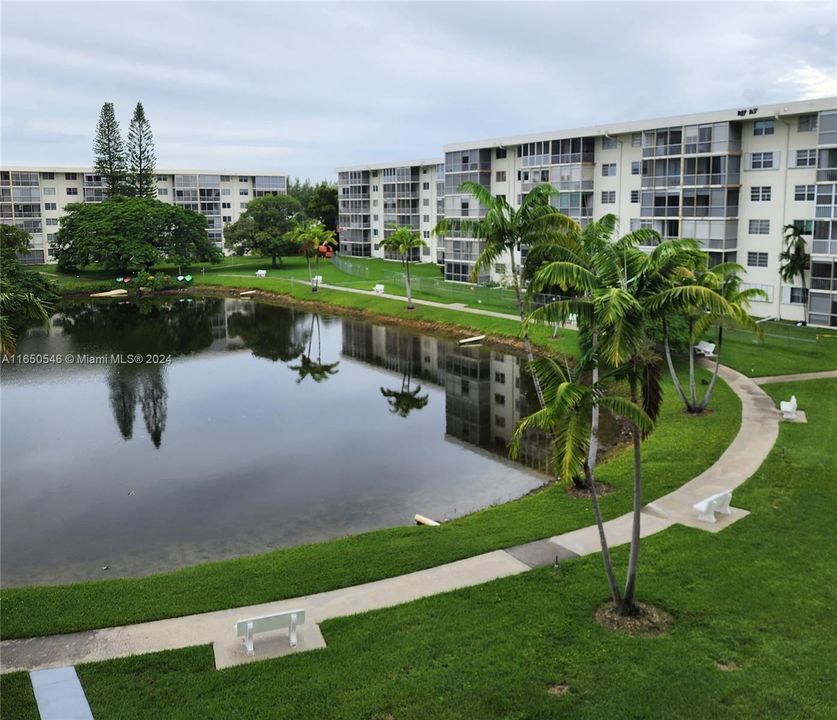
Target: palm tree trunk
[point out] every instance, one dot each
(409, 289)
(692, 388)
(310, 277)
(711, 387)
(674, 379)
(628, 605)
(527, 343)
(589, 466)
(317, 271)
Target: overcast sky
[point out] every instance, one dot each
(302, 88)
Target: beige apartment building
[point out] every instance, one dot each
(33, 198)
(374, 199)
(732, 179)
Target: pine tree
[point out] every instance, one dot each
(110, 160)
(141, 155)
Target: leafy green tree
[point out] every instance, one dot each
(322, 205)
(25, 295)
(141, 158)
(264, 228)
(504, 230)
(110, 159)
(794, 259)
(302, 191)
(310, 236)
(402, 242)
(129, 233)
(270, 332)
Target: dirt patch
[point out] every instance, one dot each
(649, 622)
(584, 493)
(559, 689)
(730, 666)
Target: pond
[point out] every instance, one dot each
(268, 427)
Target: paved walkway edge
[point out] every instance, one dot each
(756, 436)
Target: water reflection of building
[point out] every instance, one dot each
(483, 394)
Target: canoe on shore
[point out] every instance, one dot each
(111, 293)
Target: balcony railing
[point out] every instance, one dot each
(825, 212)
(824, 284)
(564, 159)
(827, 175)
(662, 150)
(712, 179)
(467, 167)
(653, 181)
(720, 211)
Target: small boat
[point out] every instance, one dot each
(122, 292)
(476, 338)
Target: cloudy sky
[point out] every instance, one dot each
(303, 87)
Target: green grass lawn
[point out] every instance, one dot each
(680, 448)
(753, 635)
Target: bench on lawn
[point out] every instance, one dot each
(317, 279)
(788, 408)
(261, 273)
(266, 623)
(707, 349)
(707, 507)
(378, 289)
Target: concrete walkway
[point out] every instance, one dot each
(756, 436)
(59, 695)
(799, 377)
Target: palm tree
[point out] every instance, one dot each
(402, 242)
(311, 236)
(504, 230)
(402, 402)
(794, 259)
(17, 308)
(317, 370)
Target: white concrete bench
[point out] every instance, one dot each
(378, 289)
(707, 507)
(261, 273)
(707, 349)
(266, 623)
(788, 408)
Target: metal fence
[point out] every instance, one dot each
(489, 296)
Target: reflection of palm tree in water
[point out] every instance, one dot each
(403, 402)
(143, 384)
(308, 367)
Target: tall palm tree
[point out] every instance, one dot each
(311, 236)
(504, 230)
(402, 402)
(308, 366)
(402, 242)
(794, 259)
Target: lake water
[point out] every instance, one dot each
(269, 427)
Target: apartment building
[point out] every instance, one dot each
(375, 199)
(34, 198)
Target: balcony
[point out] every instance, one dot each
(662, 150)
(731, 178)
(719, 211)
(827, 175)
(824, 284)
(566, 158)
(656, 181)
(825, 212)
(467, 167)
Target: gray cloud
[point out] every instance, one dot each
(303, 87)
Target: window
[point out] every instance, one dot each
(763, 127)
(72, 191)
(48, 176)
(807, 123)
(609, 170)
(425, 218)
(500, 176)
(500, 421)
(426, 202)
(636, 139)
(761, 161)
(226, 206)
(760, 193)
(798, 295)
(756, 259)
(806, 158)
(375, 231)
(636, 167)
(500, 153)
(426, 235)
(50, 206)
(804, 192)
(608, 196)
(759, 227)
(243, 206)
(242, 179)
(49, 191)
(499, 268)
(425, 186)
(243, 191)
(499, 399)
(374, 203)
(50, 237)
(375, 217)
(806, 227)
(162, 191)
(374, 188)
(226, 191)
(227, 218)
(70, 176)
(52, 221)
(225, 178)
(466, 208)
(465, 387)
(608, 143)
(634, 196)
(500, 377)
(162, 178)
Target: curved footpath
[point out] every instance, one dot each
(756, 436)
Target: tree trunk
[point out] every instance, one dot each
(310, 277)
(692, 407)
(315, 284)
(628, 605)
(708, 394)
(527, 344)
(273, 261)
(674, 379)
(589, 466)
(409, 290)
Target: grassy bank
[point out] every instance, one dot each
(752, 639)
(679, 449)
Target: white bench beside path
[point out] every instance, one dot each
(719, 502)
(278, 621)
(261, 273)
(789, 408)
(707, 349)
(378, 289)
